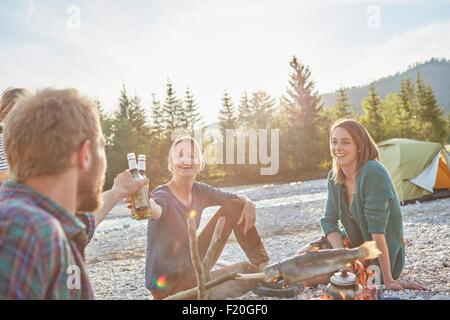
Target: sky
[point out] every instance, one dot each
(211, 46)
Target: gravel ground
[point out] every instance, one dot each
(288, 218)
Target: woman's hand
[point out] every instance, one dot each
(156, 209)
(248, 215)
(401, 285)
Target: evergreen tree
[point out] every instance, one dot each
(227, 116)
(124, 138)
(124, 103)
(303, 104)
(264, 108)
(192, 115)
(172, 110)
(246, 113)
(342, 109)
(408, 98)
(105, 122)
(373, 114)
(137, 117)
(430, 113)
(448, 128)
(157, 118)
(391, 112)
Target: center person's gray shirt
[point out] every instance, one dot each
(167, 238)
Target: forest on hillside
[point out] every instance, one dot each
(299, 117)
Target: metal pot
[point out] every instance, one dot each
(343, 286)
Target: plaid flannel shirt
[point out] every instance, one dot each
(41, 247)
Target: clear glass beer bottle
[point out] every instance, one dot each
(140, 201)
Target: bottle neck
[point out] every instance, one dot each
(133, 167)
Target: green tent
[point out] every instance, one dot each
(418, 168)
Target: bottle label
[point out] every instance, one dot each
(140, 200)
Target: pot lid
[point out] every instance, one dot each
(343, 278)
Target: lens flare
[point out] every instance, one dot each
(161, 281)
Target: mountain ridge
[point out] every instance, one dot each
(435, 72)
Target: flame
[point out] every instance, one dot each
(362, 291)
(326, 296)
(193, 214)
(360, 269)
(362, 275)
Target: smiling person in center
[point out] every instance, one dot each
(168, 266)
(362, 196)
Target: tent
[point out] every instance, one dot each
(419, 169)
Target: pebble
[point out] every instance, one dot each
(283, 228)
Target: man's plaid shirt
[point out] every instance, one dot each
(41, 247)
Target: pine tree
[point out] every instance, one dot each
(246, 113)
(172, 110)
(448, 128)
(227, 116)
(303, 104)
(105, 122)
(430, 113)
(157, 118)
(264, 108)
(391, 112)
(137, 117)
(192, 115)
(408, 97)
(407, 113)
(124, 138)
(373, 114)
(124, 103)
(342, 109)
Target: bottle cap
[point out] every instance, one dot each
(131, 156)
(142, 157)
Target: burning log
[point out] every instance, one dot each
(312, 264)
(300, 268)
(195, 257)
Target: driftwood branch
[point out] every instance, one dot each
(190, 292)
(195, 257)
(250, 276)
(208, 261)
(230, 276)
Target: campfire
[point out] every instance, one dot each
(345, 285)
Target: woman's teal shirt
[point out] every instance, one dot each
(375, 209)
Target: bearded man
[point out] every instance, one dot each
(56, 154)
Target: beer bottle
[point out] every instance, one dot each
(139, 200)
(143, 169)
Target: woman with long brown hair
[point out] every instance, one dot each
(362, 196)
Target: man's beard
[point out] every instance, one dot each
(90, 187)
